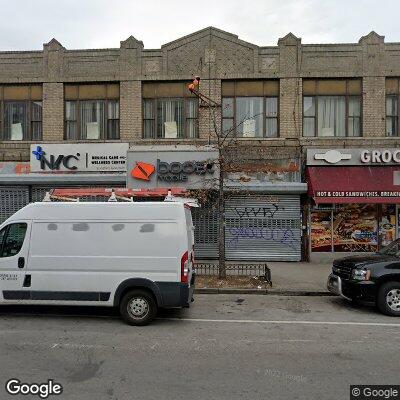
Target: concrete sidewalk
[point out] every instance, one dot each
(294, 278)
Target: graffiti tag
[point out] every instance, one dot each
(284, 236)
(251, 212)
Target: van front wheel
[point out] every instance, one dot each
(138, 307)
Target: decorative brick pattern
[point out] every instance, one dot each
(374, 110)
(53, 112)
(210, 117)
(131, 110)
(290, 108)
(215, 55)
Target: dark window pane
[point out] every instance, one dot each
(271, 107)
(192, 108)
(36, 130)
(354, 126)
(71, 130)
(354, 106)
(70, 110)
(271, 127)
(227, 107)
(391, 126)
(113, 129)
(149, 129)
(227, 126)
(113, 109)
(308, 126)
(37, 111)
(391, 106)
(14, 240)
(192, 131)
(15, 120)
(148, 109)
(309, 106)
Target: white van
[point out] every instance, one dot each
(135, 256)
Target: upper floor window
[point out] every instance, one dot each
(91, 112)
(332, 108)
(170, 111)
(21, 112)
(250, 108)
(392, 106)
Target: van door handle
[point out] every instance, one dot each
(21, 262)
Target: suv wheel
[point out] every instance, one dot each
(138, 307)
(389, 298)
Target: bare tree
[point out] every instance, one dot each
(222, 140)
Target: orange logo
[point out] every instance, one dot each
(143, 170)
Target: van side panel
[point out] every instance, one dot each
(96, 256)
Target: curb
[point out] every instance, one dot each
(273, 292)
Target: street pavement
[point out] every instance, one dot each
(223, 347)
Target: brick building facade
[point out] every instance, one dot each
(315, 71)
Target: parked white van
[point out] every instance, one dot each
(137, 256)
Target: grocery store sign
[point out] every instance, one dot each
(80, 157)
(353, 156)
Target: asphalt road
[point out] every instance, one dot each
(223, 347)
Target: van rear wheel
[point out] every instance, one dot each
(138, 307)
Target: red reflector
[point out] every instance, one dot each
(184, 267)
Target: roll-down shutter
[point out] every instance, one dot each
(263, 228)
(12, 198)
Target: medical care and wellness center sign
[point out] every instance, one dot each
(80, 157)
(187, 167)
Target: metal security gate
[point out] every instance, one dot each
(205, 221)
(12, 198)
(263, 227)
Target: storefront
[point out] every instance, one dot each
(354, 199)
(263, 208)
(60, 165)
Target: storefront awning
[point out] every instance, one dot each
(354, 184)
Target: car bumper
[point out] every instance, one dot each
(362, 290)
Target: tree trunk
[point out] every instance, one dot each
(221, 221)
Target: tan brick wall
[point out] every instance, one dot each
(215, 55)
(209, 115)
(131, 110)
(290, 104)
(53, 111)
(374, 108)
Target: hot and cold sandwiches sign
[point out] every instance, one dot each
(80, 157)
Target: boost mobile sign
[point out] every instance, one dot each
(166, 166)
(81, 157)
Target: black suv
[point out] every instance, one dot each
(371, 278)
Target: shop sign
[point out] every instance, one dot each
(81, 157)
(186, 166)
(353, 156)
(343, 194)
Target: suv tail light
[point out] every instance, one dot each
(184, 267)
